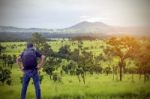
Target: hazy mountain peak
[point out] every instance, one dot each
(89, 27)
(86, 23)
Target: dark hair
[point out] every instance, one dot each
(29, 45)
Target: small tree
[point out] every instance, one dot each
(64, 52)
(38, 39)
(51, 65)
(47, 50)
(10, 61)
(2, 48)
(5, 76)
(107, 70)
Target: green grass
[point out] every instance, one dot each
(97, 86)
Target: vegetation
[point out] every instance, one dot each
(115, 68)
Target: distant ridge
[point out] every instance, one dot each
(91, 29)
(82, 27)
(17, 29)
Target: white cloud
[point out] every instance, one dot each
(92, 19)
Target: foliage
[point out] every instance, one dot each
(5, 76)
(142, 59)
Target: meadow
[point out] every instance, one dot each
(97, 86)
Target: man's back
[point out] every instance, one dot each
(29, 58)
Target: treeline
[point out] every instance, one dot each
(24, 36)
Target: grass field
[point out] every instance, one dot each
(97, 86)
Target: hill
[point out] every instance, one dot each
(90, 29)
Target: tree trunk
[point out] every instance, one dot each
(78, 78)
(83, 77)
(132, 77)
(144, 77)
(113, 75)
(117, 74)
(50, 76)
(121, 68)
(120, 72)
(140, 76)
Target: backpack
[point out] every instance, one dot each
(29, 59)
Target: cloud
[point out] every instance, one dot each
(93, 19)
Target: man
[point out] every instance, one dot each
(27, 62)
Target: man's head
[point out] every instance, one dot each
(29, 45)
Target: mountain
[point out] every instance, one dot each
(27, 30)
(92, 29)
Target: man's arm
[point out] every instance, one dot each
(41, 62)
(19, 63)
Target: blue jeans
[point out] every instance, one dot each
(26, 78)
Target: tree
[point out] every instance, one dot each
(77, 59)
(107, 70)
(2, 48)
(64, 52)
(142, 59)
(4, 59)
(47, 50)
(10, 61)
(80, 72)
(71, 68)
(5, 76)
(97, 64)
(14, 58)
(123, 48)
(111, 62)
(5, 73)
(56, 77)
(51, 65)
(38, 40)
(84, 61)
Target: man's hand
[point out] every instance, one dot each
(21, 68)
(19, 63)
(38, 67)
(41, 63)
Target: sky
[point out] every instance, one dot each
(65, 13)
